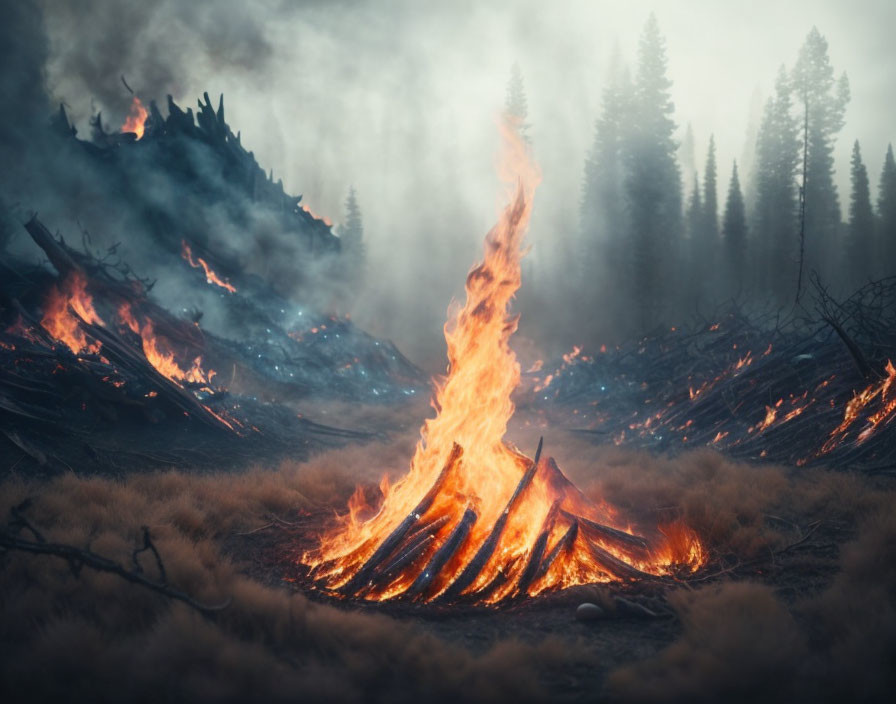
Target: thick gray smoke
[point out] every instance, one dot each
(161, 46)
(399, 99)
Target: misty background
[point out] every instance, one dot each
(400, 100)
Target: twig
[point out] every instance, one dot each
(148, 545)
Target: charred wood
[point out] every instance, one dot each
(445, 552)
(485, 551)
(395, 538)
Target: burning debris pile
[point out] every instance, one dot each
(93, 374)
(820, 388)
(474, 519)
(98, 363)
(179, 172)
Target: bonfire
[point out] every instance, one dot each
(475, 519)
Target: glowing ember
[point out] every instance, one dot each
(210, 276)
(159, 354)
(58, 319)
(136, 118)
(474, 518)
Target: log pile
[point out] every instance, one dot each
(815, 388)
(438, 552)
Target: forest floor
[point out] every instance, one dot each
(797, 602)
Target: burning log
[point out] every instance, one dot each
(127, 357)
(563, 545)
(535, 558)
(607, 532)
(472, 570)
(88, 359)
(443, 554)
(613, 564)
(414, 548)
(388, 546)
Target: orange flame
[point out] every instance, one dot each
(326, 220)
(884, 392)
(158, 353)
(58, 320)
(136, 120)
(210, 276)
(472, 481)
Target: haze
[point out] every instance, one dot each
(400, 99)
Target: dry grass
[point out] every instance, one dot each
(100, 638)
(95, 637)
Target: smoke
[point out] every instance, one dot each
(143, 204)
(399, 100)
(23, 55)
(160, 46)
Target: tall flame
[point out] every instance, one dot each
(485, 504)
(136, 120)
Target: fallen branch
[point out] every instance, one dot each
(78, 558)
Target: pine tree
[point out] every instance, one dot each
(694, 213)
(734, 237)
(710, 196)
(748, 156)
(774, 219)
(516, 106)
(860, 241)
(821, 102)
(706, 245)
(693, 220)
(604, 251)
(351, 234)
(687, 159)
(885, 246)
(653, 184)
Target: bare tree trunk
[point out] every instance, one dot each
(799, 280)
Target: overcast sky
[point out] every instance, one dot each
(400, 99)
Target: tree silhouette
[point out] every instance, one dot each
(653, 184)
(886, 211)
(774, 219)
(351, 233)
(860, 239)
(516, 105)
(822, 102)
(734, 237)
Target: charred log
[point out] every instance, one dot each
(445, 552)
(395, 538)
(481, 558)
